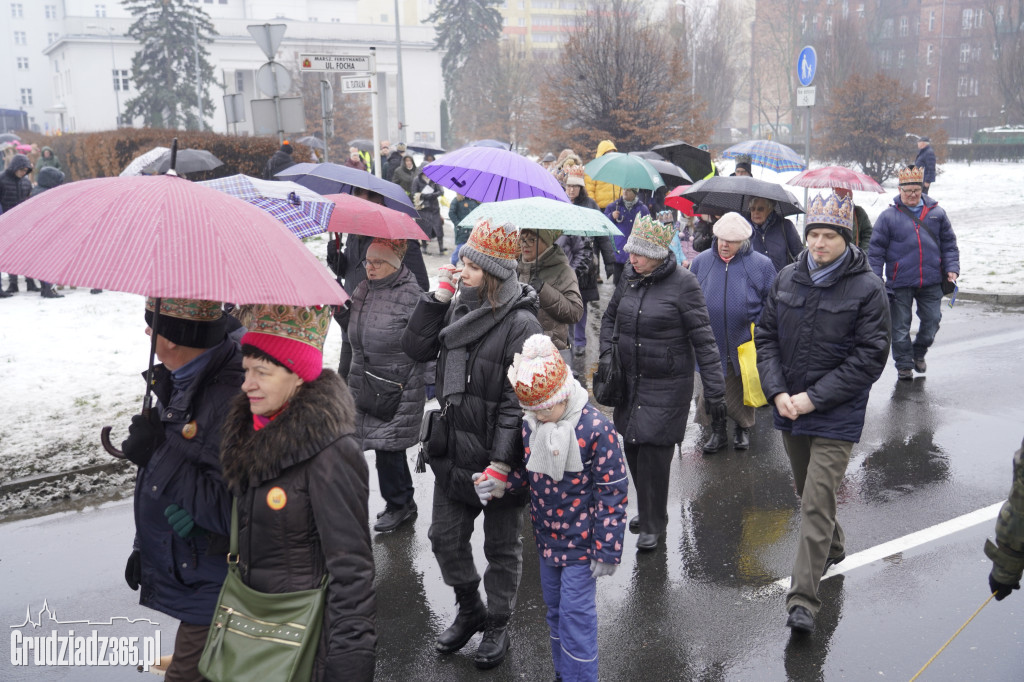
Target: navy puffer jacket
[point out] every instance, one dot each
(777, 239)
(910, 258)
(830, 339)
(663, 326)
(735, 294)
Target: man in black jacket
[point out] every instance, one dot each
(15, 187)
(822, 342)
(278, 161)
(926, 159)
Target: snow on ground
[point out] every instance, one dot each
(71, 366)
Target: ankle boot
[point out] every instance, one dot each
(741, 438)
(12, 285)
(440, 245)
(494, 646)
(47, 291)
(470, 620)
(30, 284)
(718, 438)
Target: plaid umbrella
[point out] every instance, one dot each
(302, 210)
(768, 154)
(836, 176)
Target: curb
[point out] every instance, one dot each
(991, 297)
(28, 481)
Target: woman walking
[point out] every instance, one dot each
(735, 280)
(474, 338)
(773, 235)
(660, 322)
(289, 457)
(380, 311)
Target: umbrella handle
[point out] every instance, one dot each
(107, 445)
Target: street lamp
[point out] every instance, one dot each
(113, 67)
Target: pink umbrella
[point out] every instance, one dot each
(353, 215)
(162, 236)
(835, 176)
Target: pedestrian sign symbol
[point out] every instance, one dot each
(806, 65)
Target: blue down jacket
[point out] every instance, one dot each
(912, 259)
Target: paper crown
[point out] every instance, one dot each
(496, 241)
(653, 231)
(830, 210)
(188, 322)
(190, 309)
(296, 323)
(539, 375)
(912, 175)
(399, 246)
(574, 175)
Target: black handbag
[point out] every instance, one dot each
(609, 384)
(434, 433)
(379, 397)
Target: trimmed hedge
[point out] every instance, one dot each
(105, 154)
(985, 152)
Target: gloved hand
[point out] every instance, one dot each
(715, 409)
(537, 283)
(431, 390)
(1002, 591)
(446, 285)
(182, 522)
(133, 570)
(145, 435)
(498, 472)
(599, 569)
(484, 488)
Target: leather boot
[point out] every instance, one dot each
(719, 438)
(440, 244)
(494, 646)
(30, 284)
(741, 438)
(47, 291)
(12, 284)
(470, 620)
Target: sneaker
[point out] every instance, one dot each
(920, 366)
(394, 518)
(905, 374)
(800, 620)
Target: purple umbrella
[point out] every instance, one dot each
(488, 174)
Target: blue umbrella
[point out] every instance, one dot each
(330, 178)
(766, 153)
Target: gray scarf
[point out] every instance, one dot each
(553, 445)
(471, 320)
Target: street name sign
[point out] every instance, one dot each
(336, 63)
(358, 84)
(805, 96)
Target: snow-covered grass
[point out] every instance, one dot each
(70, 366)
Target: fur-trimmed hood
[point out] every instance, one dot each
(320, 413)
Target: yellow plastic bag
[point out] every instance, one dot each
(753, 396)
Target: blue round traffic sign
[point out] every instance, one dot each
(806, 65)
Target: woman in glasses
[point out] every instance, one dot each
(773, 235)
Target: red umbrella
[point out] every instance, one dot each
(674, 200)
(353, 215)
(162, 236)
(835, 176)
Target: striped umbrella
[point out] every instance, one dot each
(767, 153)
(302, 210)
(836, 176)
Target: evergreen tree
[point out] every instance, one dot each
(164, 69)
(463, 26)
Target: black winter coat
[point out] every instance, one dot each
(277, 163)
(14, 190)
(663, 327)
(830, 339)
(180, 577)
(310, 454)
(380, 313)
(487, 424)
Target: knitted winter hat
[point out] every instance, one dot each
(912, 175)
(292, 335)
(539, 375)
(546, 236)
(495, 248)
(388, 250)
(649, 238)
(188, 322)
(574, 175)
(732, 227)
(743, 161)
(286, 147)
(830, 211)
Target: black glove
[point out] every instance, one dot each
(133, 570)
(715, 409)
(537, 284)
(1002, 591)
(145, 435)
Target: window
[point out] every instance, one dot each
(904, 26)
(927, 87)
(16, 10)
(931, 20)
(966, 18)
(901, 58)
(929, 54)
(22, 63)
(846, 9)
(56, 66)
(828, 25)
(979, 19)
(239, 81)
(383, 18)
(121, 80)
(51, 11)
(887, 28)
(522, 21)
(961, 87)
(999, 14)
(20, 38)
(965, 52)
(885, 58)
(51, 38)
(223, 2)
(101, 11)
(26, 96)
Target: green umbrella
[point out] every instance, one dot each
(541, 213)
(624, 170)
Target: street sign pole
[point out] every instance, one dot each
(327, 108)
(375, 154)
(806, 66)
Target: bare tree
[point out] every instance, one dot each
(777, 37)
(842, 54)
(716, 56)
(1008, 51)
(618, 77)
(496, 94)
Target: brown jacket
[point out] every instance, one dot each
(560, 302)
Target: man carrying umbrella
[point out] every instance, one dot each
(278, 161)
(15, 187)
(623, 212)
(182, 507)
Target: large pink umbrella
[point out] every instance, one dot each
(353, 215)
(835, 176)
(162, 236)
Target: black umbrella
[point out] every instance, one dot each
(188, 161)
(312, 141)
(650, 156)
(672, 174)
(362, 144)
(9, 137)
(721, 194)
(425, 148)
(696, 162)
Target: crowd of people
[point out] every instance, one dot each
(253, 431)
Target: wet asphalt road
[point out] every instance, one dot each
(703, 606)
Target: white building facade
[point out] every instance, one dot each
(77, 58)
